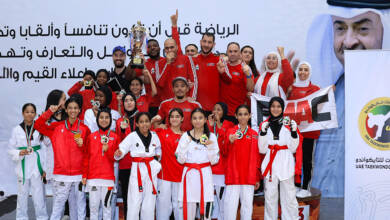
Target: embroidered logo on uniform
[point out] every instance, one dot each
(254, 136)
(140, 103)
(236, 73)
(180, 66)
(136, 144)
(153, 145)
(152, 71)
(94, 137)
(186, 110)
(248, 137)
(62, 130)
(111, 138)
(210, 64)
(197, 67)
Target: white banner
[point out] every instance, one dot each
(367, 136)
(312, 113)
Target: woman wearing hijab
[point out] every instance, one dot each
(103, 98)
(278, 75)
(98, 173)
(125, 125)
(279, 140)
(302, 88)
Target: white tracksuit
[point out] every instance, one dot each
(32, 176)
(283, 170)
(141, 202)
(190, 152)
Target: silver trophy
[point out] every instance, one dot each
(138, 35)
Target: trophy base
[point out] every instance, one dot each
(137, 66)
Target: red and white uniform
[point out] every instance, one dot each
(275, 82)
(197, 180)
(278, 167)
(68, 163)
(141, 199)
(169, 177)
(155, 68)
(208, 80)
(28, 173)
(99, 172)
(233, 87)
(242, 172)
(187, 106)
(143, 102)
(219, 169)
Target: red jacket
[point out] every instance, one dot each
(207, 80)
(219, 168)
(97, 165)
(125, 162)
(301, 92)
(171, 170)
(87, 94)
(68, 157)
(243, 158)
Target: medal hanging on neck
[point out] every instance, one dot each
(104, 139)
(28, 137)
(239, 132)
(77, 133)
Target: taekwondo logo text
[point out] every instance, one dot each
(374, 123)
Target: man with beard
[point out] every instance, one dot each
(347, 25)
(120, 71)
(180, 89)
(207, 73)
(155, 64)
(176, 65)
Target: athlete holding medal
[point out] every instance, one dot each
(242, 175)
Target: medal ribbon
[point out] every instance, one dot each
(239, 130)
(78, 127)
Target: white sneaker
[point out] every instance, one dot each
(65, 217)
(297, 189)
(303, 193)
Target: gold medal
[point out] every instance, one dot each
(203, 139)
(286, 120)
(77, 135)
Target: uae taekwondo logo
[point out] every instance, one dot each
(374, 123)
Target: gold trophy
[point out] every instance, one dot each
(137, 37)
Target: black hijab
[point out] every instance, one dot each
(276, 122)
(145, 140)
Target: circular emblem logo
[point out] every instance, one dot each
(374, 123)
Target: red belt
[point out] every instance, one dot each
(198, 167)
(274, 149)
(145, 160)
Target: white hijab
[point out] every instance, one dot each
(319, 44)
(265, 69)
(273, 88)
(298, 81)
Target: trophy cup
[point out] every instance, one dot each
(137, 37)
